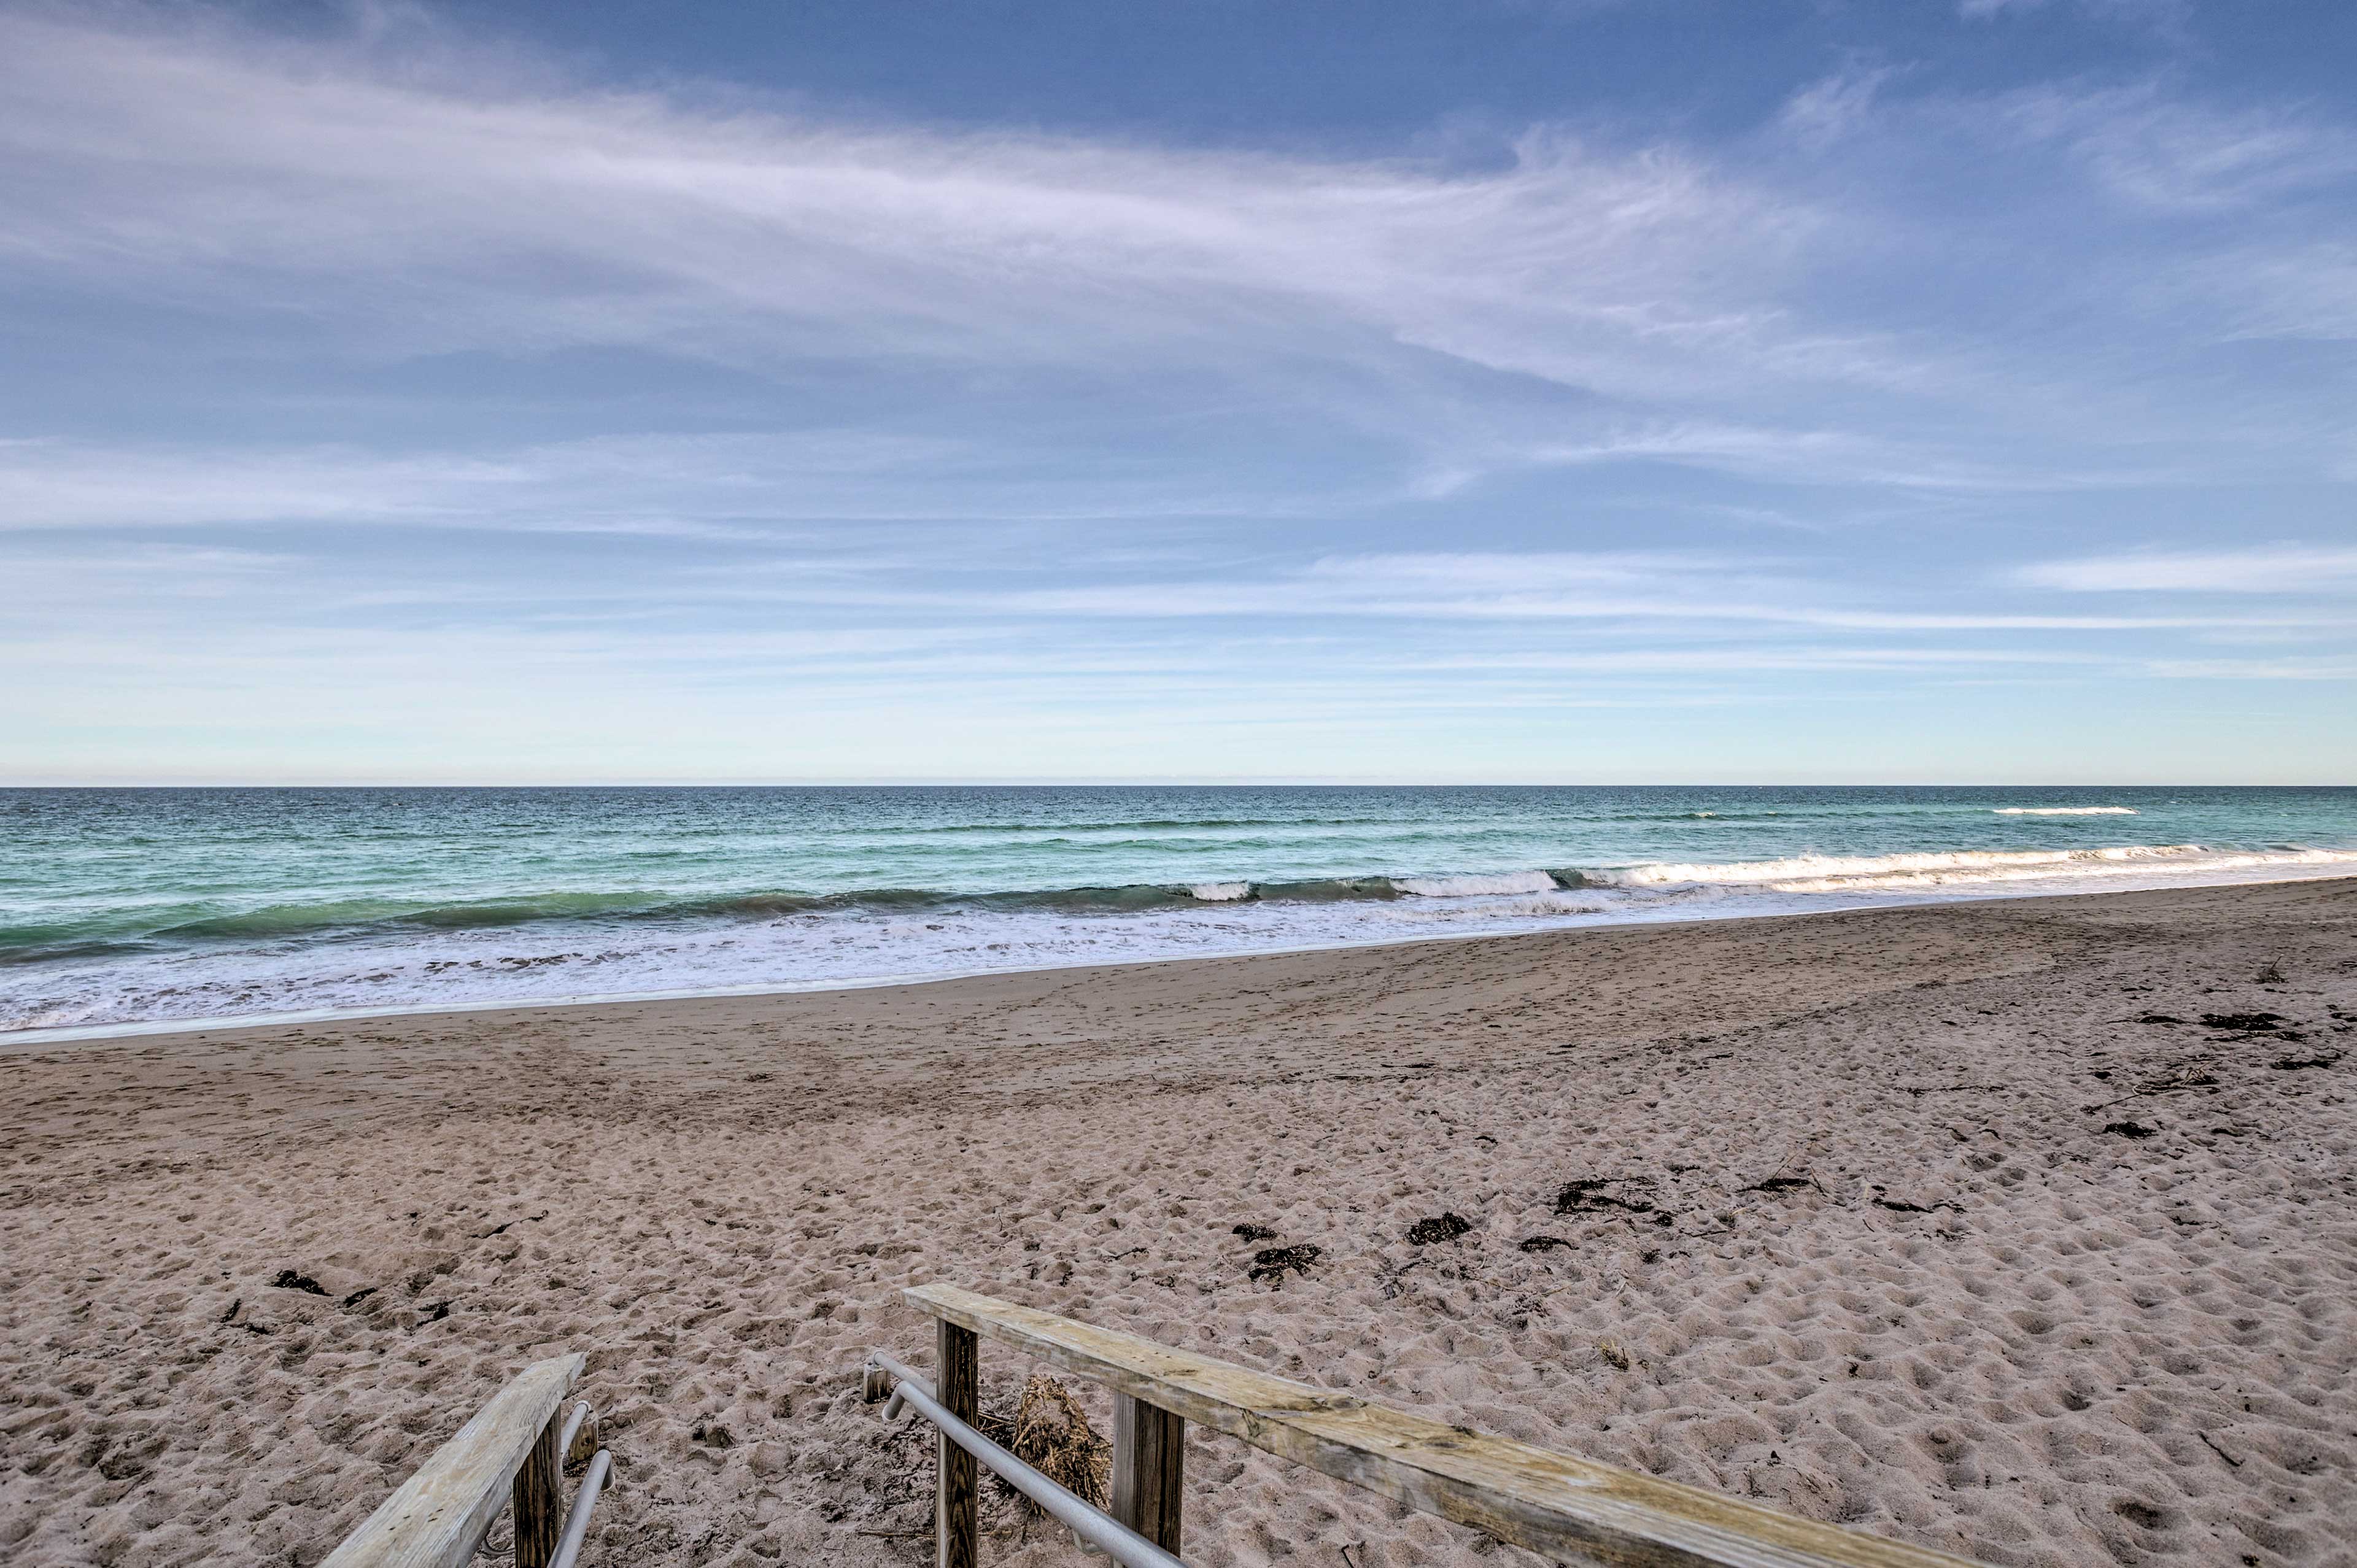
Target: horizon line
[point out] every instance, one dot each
(1201, 783)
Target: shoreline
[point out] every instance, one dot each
(13, 1041)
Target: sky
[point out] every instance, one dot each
(1531, 390)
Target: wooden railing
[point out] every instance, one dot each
(1572, 1509)
(512, 1453)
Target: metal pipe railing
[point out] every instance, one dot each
(1091, 1525)
(576, 1520)
(573, 1420)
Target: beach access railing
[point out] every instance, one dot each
(1569, 1508)
(514, 1452)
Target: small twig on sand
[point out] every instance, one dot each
(2192, 1076)
(1392, 1278)
(1775, 1171)
(2231, 1460)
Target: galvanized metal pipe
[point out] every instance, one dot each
(1093, 1526)
(577, 1521)
(893, 1403)
(572, 1429)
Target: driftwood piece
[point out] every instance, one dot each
(440, 1514)
(1572, 1509)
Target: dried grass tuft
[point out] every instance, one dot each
(1051, 1433)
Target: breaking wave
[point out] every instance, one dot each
(2063, 811)
(1939, 868)
(1219, 892)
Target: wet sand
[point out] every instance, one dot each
(1918, 1221)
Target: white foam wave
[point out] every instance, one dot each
(2199, 866)
(1845, 874)
(2064, 810)
(1219, 892)
(1509, 907)
(1473, 887)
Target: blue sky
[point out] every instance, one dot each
(1517, 389)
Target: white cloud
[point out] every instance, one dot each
(337, 200)
(2325, 667)
(740, 487)
(518, 214)
(2158, 150)
(2275, 569)
(2156, 13)
(2300, 291)
(1828, 110)
(1689, 591)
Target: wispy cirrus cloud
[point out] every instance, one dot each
(746, 486)
(2148, 146)
(2153, 12)
(2266, 569)
(1688, 590)
(735, 230)
(330, 197)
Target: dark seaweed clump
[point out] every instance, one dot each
(1587, 1196)
(1273, 1264)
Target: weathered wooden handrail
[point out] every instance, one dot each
(513, 1452)
(1572, 1509)
(1090, 1526)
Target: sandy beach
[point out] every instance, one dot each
(1956, 1224)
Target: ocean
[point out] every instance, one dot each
(125, 907)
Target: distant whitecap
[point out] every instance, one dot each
(2065, 811)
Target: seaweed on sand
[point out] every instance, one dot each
(1440, 1228)
(1273, 1264)
(1589, 1196)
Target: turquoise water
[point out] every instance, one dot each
(125, 905)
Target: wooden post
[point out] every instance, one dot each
(958, 1385)
(1150, 1470)
(539, 1498)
